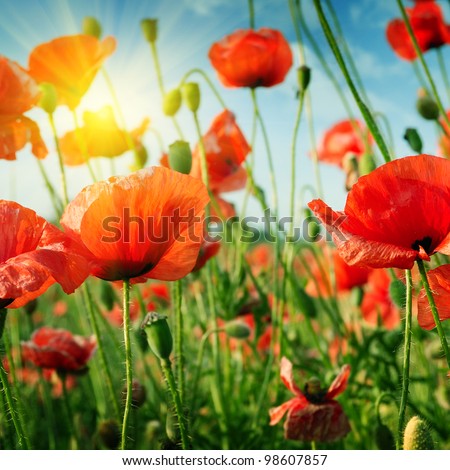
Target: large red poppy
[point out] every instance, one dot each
(430, 30)
(313, 415)
(439, 280)
(18, 94)
(58, 349)
(145, 225)
(70, 63)
(34, 255)
(396, 214)
(248, 58)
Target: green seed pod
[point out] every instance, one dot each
(149, 27)
(384, 437)
(417, 435)
(109, 433)
(303, 77)
(159, 336)
(397, 292)
(180, 157)
(237, 329)
(366, 164)
(49, 98)
(191, 95)
(107, 295)
(92, 27)
(427, 108)
(172, 102)
(413, 138)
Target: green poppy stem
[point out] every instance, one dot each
(443, 69)
(179, 331)
(251, 14)
(60, 160)
(208, 81)
(434, 311)
(56, 202)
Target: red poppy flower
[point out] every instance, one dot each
(226, 149)
(430, 30)
(343, 139)
(377, 304)
(18, 94)
(148, 225)
(34, 255)
(102, 137)
(58, 349)
(248, 58)
(439, 280)
(396, 214)
(313, 415)
(70, 63)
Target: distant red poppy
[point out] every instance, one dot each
(377, 304)
(226, 149)
(34, 255)
(396, 214)
(313, 415)
(58, 349)
(439, 280)
(18, 94)
(342, 139)
(115, 315)
(147, 225)
(428, 25)
(248, 58)
(70, 63)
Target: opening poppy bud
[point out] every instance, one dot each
(417, 435)
(303, 77)
(237, 329)
(366, 165)
(397, 292)
(159, 336)
(109, 433)
(49, 98)
(413, 138)
(92, 27)
(427, 108)
(180, 157)
(149, 27)
(172, 102)
(191, 96)
(384, 438)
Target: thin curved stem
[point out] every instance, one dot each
(56, 202)
(443, 69)
(208, 81)
(60, 160)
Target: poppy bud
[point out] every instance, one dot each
(191, 96)
(383, 437)
(237, 329)
(149, 27)
(366, 164)
(92, 27)
(413, 138)
(427, 108)
(159, 336)
(141, 157)
(107, 295)
(49, 98)
(109, 433)
(138, 394)
(180, 157)
(397, 292)
(303, 77)
(172, 102)
(417, 435)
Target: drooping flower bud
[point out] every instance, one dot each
(303, 77)
(180, 157)
(237, 329)
(172, 102)
(413, 138)
(149, 27)
(427, 108)
(92, 27)
(417, 435)
(49, 98)
(191, 96)
(159, 336)
(109, 433)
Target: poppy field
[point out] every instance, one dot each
(213, 278)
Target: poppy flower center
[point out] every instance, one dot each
(313, 392)
(425, 243)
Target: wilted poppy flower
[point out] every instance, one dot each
(345, 137)
(248, 58)
(439, 280)
(377, 305)
(101, 137)
(313, 415)
(70, 63)
(394, 215)
(18, 94)
(147, 225)
(34, 255)
(226, 149)
(430, 30)
(58, 349)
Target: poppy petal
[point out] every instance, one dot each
(339, 383)
(276, 414)
(288, 378)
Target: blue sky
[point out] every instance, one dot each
(187, 29)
